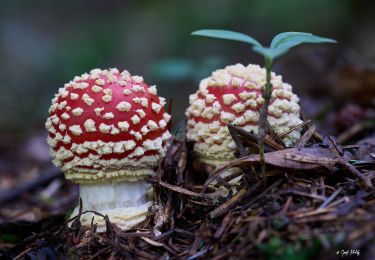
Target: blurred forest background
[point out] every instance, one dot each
(44, 44)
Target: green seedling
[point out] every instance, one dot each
(280, 44)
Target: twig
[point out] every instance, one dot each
(364, 180)
(229, 204)
(330, 198)
(252, 202)
(181, 190)
(233, 132)
(308, 121)
(223, 226)
(300, 193)
(198, 254)
(287, 204)
(23, 253)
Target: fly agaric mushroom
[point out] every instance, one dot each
(234, 95)
(107, 131)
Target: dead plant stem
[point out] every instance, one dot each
(263, 115)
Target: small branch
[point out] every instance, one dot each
(295, 127)
(330, 199)
(229, 204)
(180, 190)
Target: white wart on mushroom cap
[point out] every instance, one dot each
(107, 125)
(234, 95)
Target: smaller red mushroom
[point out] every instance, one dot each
(107, 132)
(234, 95)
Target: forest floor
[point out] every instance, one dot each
(316, 200)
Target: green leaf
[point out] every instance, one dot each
(288, 40)
(269, 52)
(227, 35)
(280, 44)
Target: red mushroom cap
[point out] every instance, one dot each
(107, 125)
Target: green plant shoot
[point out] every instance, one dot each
(280, 44)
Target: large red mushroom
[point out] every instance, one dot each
(107, 132)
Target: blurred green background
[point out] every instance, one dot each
(44, 44)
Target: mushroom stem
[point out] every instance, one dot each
(125, 203)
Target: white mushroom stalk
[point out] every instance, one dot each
(125, 203)
(107, 132)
